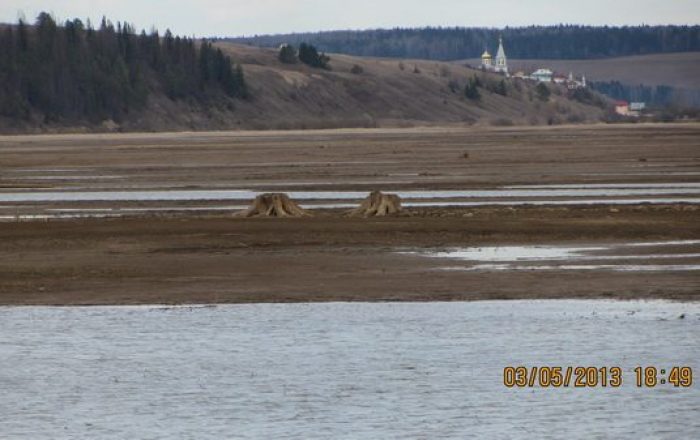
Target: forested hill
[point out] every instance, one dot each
(73, 73)
(535, 42)
(73, 77)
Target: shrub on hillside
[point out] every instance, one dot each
(502, 122)
(309, 55)
(471, 91)
(497, 87)
(575, 118)
(288, 54)
(502, 89)
(543, 92)
(586, 96)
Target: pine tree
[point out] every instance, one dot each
(543, 92)
(76, 73)
(501, 88)
(287, 54)
(471, 91)
(532, 42)
(309, 55)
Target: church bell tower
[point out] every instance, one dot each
(501, 59)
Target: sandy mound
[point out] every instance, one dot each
(378, 204)
(273, 205)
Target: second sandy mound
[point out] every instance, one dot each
(378, 204)
(273, 205)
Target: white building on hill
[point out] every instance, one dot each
(501, 62)
(542, 75)
(572, 83)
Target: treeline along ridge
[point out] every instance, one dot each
(533, 42)
(73, 72)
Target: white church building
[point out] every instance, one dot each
(501, 63)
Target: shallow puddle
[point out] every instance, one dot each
(575, 202)
(516, 253)
(562, 257)
(602, 267)
(526, 195)
(191, 195)
(607, 185)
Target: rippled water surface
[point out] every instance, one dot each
(341, 371)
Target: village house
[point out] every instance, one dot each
(500, 65)
(622, 108)
(637, 106)
(636, 109)
(560, 79)
(633, 109)
(542, 75)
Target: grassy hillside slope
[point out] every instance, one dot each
(387, 93)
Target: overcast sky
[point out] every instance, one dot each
(249, 17)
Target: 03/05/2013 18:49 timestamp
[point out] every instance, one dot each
(594, 377)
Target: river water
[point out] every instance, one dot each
(342, 371)
(244, 194)
(65, 204)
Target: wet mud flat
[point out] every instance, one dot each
(355, 160)
(147, 218)
(186, 258)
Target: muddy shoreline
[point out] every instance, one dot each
(219, 259)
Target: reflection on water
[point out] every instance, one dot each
(30, 202)
(607, 185)
(609, 267)
(572, 202)
(188, 195)
(533, 253)
(511, 257)
(341, 371)
(517, 253)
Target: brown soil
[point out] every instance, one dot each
(325, 258)
(360, 160)
(330, 257)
